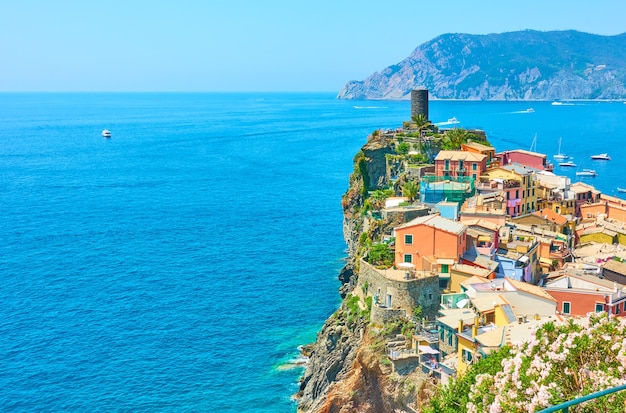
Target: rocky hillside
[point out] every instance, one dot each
(523, 65)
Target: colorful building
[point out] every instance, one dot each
(579, 294)
(454, 164)
(430, 243)
(527, 158)
(515, 183)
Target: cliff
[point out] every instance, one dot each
(523, 65)
(348, 370)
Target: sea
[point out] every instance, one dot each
(177, 265)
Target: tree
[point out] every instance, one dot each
(378, 198)
(410, 189)
(453, 138)
(403, 148)
(380, 254)
(421, 122)
(560, 362)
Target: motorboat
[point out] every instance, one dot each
(601, 157)
(452, 121)
(529, 110)
(621, 189)
(560, 155)
(567, 164)
(106, 133)
(587, 172)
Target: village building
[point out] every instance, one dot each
(490, 207)
(430, 243)
(516, 183)
(529, 159)
(584, 194)
(580, 294)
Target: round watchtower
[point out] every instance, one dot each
(419, 102)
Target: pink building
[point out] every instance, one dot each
(454, 164)
(526, 158)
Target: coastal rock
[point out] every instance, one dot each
(522, 65)
(330, 360)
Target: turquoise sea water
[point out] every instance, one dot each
(178, 265)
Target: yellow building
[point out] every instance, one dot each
(517, 184)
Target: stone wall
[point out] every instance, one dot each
(406, 294)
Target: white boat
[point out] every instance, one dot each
(560, 155)
(452, 121)
(106, 133)
(566, 164)
(601, 157)
(621, 189)
(529, 110)
(587, 172)
(555, 103)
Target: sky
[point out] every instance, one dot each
(250, 45)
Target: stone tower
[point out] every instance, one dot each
(419, 102)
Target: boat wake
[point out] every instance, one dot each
(369, 107)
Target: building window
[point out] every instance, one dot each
(566, 307)
(467, 356)
(445, 269)
(446, 165)
(599, 307)
(461, 165)
(408, 239)
(408, 258)
(617, 308)
(474, 166)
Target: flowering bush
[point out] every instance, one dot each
(559, 363)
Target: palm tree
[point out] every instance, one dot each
(410, 190)
(421, 122)
(455, 137)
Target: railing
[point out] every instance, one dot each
(564, 407)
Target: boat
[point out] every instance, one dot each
(529, 110)
(621, 189)
(559, 103)
(106, 133)
(587, 172)
(601, 157)
(452, 121)
(560, 155)
(566, 164)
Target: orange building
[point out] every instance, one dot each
(609, 206)
(475, 147)
(430, 243)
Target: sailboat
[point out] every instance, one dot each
(560, 155)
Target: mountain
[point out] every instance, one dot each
(522, 65)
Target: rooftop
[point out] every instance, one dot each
(549, 215)
(436, 221)
(460, 156)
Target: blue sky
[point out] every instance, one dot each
(250, 45)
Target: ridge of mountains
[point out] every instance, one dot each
(521, 65)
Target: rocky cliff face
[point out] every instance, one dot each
(525, 65)
(345, 373)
